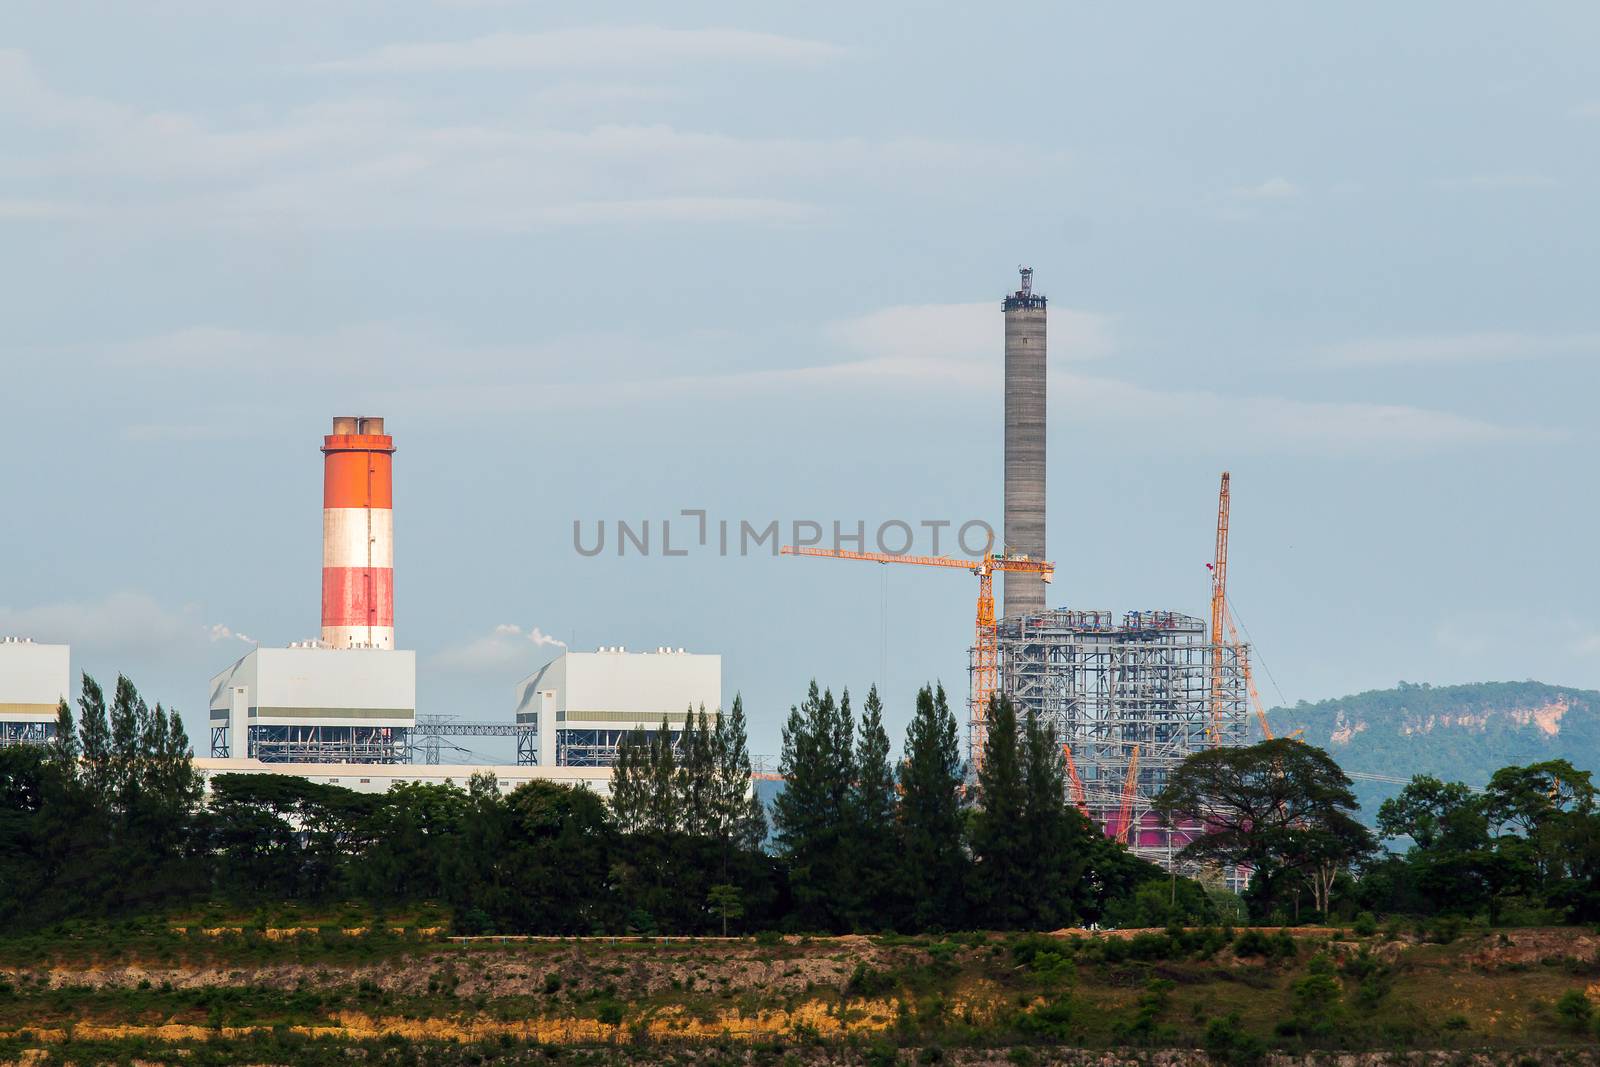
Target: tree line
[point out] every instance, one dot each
(1523, 849)
(111, 819)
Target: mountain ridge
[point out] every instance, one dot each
(1456, 732)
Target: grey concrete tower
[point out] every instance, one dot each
(1023, 594)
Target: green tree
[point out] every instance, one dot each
(662, 813)
(1282, 807)
(726, 900)
(1059, 841)
(1003, 870)
(812, 813)
(741, 819)
(872, 808)
(1450, 862)
(697, 775)
(933, 863)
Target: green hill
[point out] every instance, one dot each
(1455, 732)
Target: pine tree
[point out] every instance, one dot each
(94, 733)
(932, 864)
(662, 815)
(697, 775)
(1058, 840)
(630, 778)
(873, 819)
(741, 818)
(812, 813)
(64, 748)
(1003, 870)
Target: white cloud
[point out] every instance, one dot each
(1271, 189)
(1499, 182)
(506, 647)
(1461, 348)
(627, 47)
(965, 333)
(127, 623)
(365, 162)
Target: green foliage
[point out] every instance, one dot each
(1051, 1021)
(867, 983)
(932, 863)
(1575, 1009)
(812, 814)
(1282, 807)
(1226, 1041)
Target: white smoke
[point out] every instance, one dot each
(503, 648)
(219, 632)
(539, 638)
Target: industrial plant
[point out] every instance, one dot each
(349, 698)
(1130, 696)
(34, 679)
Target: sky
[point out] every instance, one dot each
(622, 262)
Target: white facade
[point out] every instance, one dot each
(378, 778)
(34, 679)
(582, 701)
(286, 693)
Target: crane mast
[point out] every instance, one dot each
(1219, 606)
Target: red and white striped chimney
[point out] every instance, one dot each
(357, 535)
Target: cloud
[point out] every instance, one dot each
(1271, 189)
(626, 47)
(1499, 182)
(365, 161)
(128, 623)
(1461, 348)
(965, 333)
(506, 647)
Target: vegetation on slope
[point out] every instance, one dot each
(1454, 732)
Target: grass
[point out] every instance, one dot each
(1235, 992)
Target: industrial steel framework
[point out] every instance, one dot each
(427, 733)
(1129, 699)
(327, 744)
(26, 733)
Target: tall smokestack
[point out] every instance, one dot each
(357, 535)
(1023, 594)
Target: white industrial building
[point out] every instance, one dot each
(34, 680)
(583, 703)
(310, 704)
(379, 777)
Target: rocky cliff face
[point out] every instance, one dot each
(1459, 732)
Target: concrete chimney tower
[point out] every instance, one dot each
(357, 535)
(1023, 594)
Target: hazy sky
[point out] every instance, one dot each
(615, 261)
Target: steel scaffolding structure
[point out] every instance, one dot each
(26, 733)
(326, 744)
(1111, 688)
(427, 733)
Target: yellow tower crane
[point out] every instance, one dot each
(986, 643)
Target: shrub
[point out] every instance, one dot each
(1366, 925)
(1252, 943)
(868, 982)
(609, 1012)
(1227, 1042)
(881, 1054)
(1051, 1020)
(1574, 1008)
